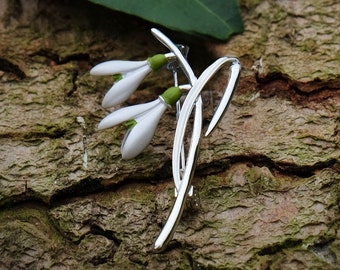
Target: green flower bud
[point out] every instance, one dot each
(130, 123)
(157, 61)
(171, 95)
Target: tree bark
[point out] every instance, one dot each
(267, 179)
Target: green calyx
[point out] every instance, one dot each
(157, 61)
(130, 123)
(117, 77)
(171, 95)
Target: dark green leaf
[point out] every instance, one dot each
(215, 18)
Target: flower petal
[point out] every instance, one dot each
(125, 114)
(121, 90)
(116, 66)
(141, 134)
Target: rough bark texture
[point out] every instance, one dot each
(267, 181)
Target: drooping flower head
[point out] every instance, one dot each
(128, 75)
(141, 120)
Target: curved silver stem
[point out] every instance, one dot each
(178, 160)
(234, 74)
(192, 99)
(184, 190)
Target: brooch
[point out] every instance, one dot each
(141, 120)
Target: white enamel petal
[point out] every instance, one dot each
(125, 114)
(116, 66)
(121, 90)
(141, 134)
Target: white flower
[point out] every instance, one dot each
(130, 74)
(142, 120)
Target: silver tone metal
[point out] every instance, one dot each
(183, 169)
(173, 63)
(170, 226)
(190, 101)
(170, 56)
(178, 162)
(174, 67)
(234, 74)
(180, 57)
(195, 91)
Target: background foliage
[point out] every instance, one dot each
(217, 19)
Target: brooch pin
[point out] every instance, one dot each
(141, 120)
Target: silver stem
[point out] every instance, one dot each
(174, 67)
(234, 74)
(169, 228)
(193, 98)
(177, 161)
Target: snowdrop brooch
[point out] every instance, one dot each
(142, 119)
